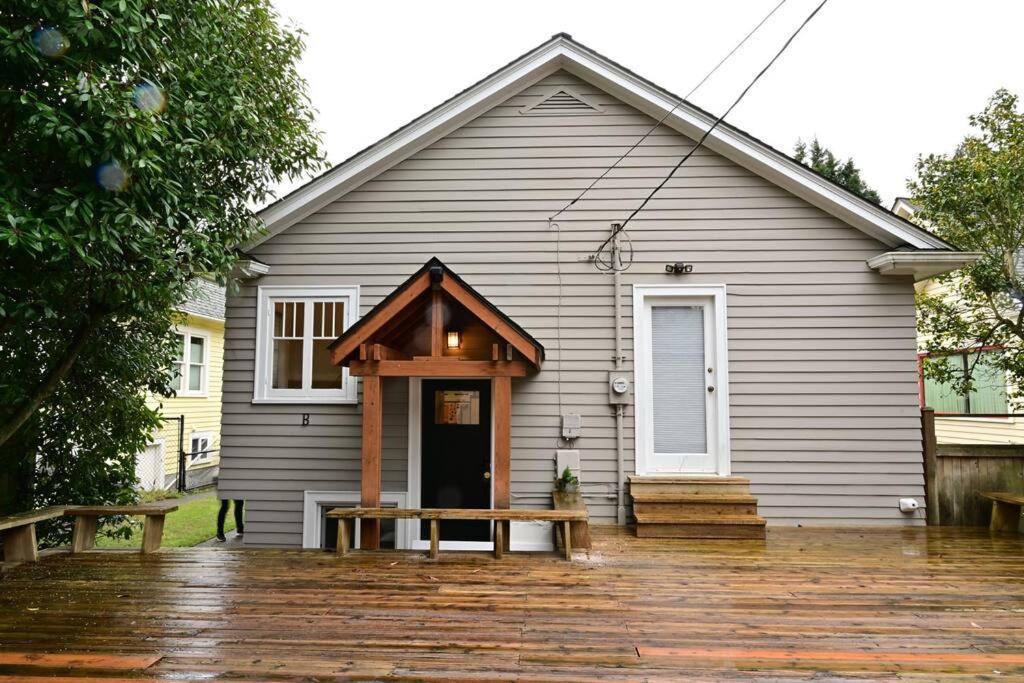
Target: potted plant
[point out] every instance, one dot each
(567, 489)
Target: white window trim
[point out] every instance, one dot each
(644, 392)
(262, 393)
(188, 333)
(205, 458)
(312, 501)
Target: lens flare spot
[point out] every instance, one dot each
(149, 97)
(50, 41)
(111, 177)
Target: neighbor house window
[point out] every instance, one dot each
(295, 328)
(988, 395)
(199, 448)
(188, 374)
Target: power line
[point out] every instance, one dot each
(694, 89)
(714, 125)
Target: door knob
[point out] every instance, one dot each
(711, 390)
(487, 475)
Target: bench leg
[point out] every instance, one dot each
(84, 536)
(1005, 516)
(567, 540)
(499, 539)
(343, 537)
(152, 533)
(20, 544)
(435, 538)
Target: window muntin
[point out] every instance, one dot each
(297, 325)
(189, 368)
(987, 396)
(199, 447)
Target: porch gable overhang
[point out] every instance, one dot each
(359, 348)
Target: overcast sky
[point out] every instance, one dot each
(882, 81)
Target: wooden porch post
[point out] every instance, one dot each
(370, 483)
(503, 450)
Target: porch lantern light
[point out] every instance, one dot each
(454, 339)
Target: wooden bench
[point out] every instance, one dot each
(84, 537)
(19, 533)
(1005, 510)
(562, 519)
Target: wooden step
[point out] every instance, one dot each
(704, 530)
(717, 506)
(690, 485)
(662, 518)
(671, 497)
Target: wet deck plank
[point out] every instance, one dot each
(827, 604)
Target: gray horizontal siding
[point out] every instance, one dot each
(824, 415)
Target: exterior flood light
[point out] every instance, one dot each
(454, 340)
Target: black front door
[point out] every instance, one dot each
(456, 461)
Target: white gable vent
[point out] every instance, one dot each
(562, 100)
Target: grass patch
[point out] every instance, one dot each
(192, 523)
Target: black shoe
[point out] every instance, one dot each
(240, 533)
(221, 538)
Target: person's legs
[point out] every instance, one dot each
(239, 522)
(221, 516)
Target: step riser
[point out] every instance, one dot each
(684, 509)
(692, 489)
(700, 532)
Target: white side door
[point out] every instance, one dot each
(681, 381)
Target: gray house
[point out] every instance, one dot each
(421, 327)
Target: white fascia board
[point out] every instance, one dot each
(921, 264)
(563, 53)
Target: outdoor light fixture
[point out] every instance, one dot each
(454, 340)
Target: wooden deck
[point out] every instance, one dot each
(853, 604)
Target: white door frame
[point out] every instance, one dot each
(642, 294)
(416, 466)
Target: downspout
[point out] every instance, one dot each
(620, 409)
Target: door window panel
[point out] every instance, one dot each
(678, 365)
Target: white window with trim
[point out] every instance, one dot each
(200, 448)
(191, 364)
(295, 327)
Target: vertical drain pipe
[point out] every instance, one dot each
(620, 409)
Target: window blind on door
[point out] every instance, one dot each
(678, 367)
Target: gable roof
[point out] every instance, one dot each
(436, 272)
(562, 52)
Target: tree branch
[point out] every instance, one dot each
(52, 379)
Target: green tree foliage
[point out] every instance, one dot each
(844, 173)
(974, 199)
(136, 136)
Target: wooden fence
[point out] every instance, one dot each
(956, 473)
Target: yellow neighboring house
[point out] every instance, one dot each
(958, 418)
(190, 435)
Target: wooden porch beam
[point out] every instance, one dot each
(380, 352)
(436, 324)
(371, 452)
(440, 367)
(502, 455)
(492, 320)
(340, 352)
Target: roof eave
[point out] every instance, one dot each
(921, 264)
